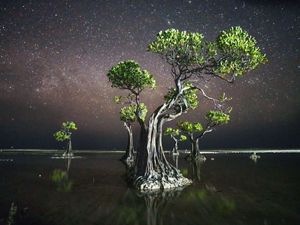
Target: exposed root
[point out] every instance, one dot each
(68, 154)
(200, 158)
(128, 160)
(197, 157)
(155, 182)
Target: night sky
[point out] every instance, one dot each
(54, 56)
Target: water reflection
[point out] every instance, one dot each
(175, 158)
(61, 178)
(207, 205)
(196, 169)
(143, 208)
(195, 206)
(156, 204)
(254, 157)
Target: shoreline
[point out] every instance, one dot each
(226, 151)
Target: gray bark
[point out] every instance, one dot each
(195, 147)
(153, 170)
(69, 150)
(196, 168)
(128, 157)
(175, 148)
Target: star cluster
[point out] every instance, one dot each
(54, 56)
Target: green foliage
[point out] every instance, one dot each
(239, 52)
(217, 117)
(233, 52)
(129, 75)
(190, 127)
(189, 98)
(142, 111)
(127, 113)
(69, 125)
(197, 127)
(117, 99)
(65, 132)
(171, 131)
(61, 135)
(178, 46)
(183, 137)
(175, 132)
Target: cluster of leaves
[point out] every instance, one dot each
(178, 46)
(129, 75)
(189, 98)
(65, 132)
(239, 52)
(217, 117)
(128, 113)
(175, 132)
(233, 52)
(190, 127)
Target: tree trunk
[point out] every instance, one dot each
(196, 168)
(175, 148)
(154, 172)
(128, 157)
(195, 148)
(142, 154)
(157, 172)
(195, 152)
(175, 159)
(69, 151)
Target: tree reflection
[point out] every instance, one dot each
(207, 205)
(143, 208)
(175, 159)
(61, 178)
(254, 157)
(196, 169)
(199, 204)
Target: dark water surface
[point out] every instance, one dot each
(231, 189)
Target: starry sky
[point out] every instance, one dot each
(54, 56)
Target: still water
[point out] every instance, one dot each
(227, 189)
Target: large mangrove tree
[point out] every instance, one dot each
(193, 62)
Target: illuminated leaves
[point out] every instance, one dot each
(128, 113)
(175, 133)
(129, 75)
(190, 127)
(233, 52)
(238, 51)
(217, 117)
(65, 132)
(178, 46)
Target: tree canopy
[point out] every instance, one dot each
(178, 46)
(190, 127)
(66, 131)
(217, 117)
(127, 113)
(129, 75)
(234, 52)
(175, 132)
